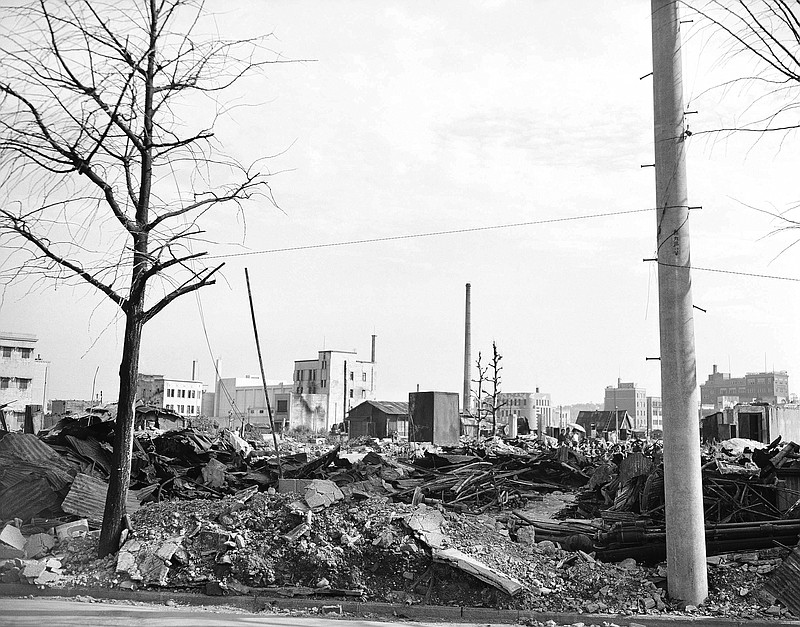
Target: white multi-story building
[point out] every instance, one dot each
(182, 396)
(23, 377)
(535, 407)
(341, 377)
(655, 420)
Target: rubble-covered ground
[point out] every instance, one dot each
(367, 548)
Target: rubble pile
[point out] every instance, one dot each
(376, 550)
(390, 522)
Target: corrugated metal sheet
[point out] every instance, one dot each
(393, 408)
(92, 450)
(634, 465)
(87, 498)
(27, 446)
(27, 499)
(784, 584)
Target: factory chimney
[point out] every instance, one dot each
(373, 349)
(467, 401)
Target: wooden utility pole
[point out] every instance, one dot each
(686, 545)
(263, 378)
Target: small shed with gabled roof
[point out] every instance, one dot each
(378, 419)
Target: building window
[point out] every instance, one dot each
(363, 394)
(351, 376)
(324, 364)
(283, 406)
(4, 381)
(26, 352)
(6, 351)
(351, 393)
(323, 383)
(23, 384)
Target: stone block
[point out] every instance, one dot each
(38, 545)
(12, 537)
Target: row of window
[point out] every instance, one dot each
(11, 382)
(171, 393)
(184, 409)
(8, 351)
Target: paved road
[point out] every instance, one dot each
(44, 612)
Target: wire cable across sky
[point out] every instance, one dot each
(475, 229)
(390, 238)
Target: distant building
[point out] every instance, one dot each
(630, 398)
(69, 407)
(179, 395)
(655, 421)
(767, 387)
(341, 377)
(602, 423)
(241, 399)
(23, 377)
(534, 407)
(379, 419)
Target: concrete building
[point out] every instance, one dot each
(64, 407)
(630, 398)
(532, 406)
(341, 377)
(241, 399)
(179, 395)
(655, 421)
(23, 377)
(762, 387)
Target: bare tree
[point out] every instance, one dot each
(479, 406)
(109, 161)
(765, 34)
(493, 397)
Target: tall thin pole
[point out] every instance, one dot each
(263, 378)
(686, 545)
(467, 402)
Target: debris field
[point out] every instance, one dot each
(393, 522)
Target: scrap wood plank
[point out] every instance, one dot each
(478, 569)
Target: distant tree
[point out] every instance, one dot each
(479, 406)
(493, 397)
(108, 160)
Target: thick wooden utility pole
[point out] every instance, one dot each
(686, 545)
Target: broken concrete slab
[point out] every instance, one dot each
(13, 537)
(426, 522)
(321, 493)
(470, 565)
(214, 473)
(38, 545)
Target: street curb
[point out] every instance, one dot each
(431, 613)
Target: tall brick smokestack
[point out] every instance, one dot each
(467, 400)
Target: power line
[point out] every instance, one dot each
(390, 238)
(718, 270)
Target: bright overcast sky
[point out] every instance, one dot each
(418, 117)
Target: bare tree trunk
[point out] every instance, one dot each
(123, 433)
